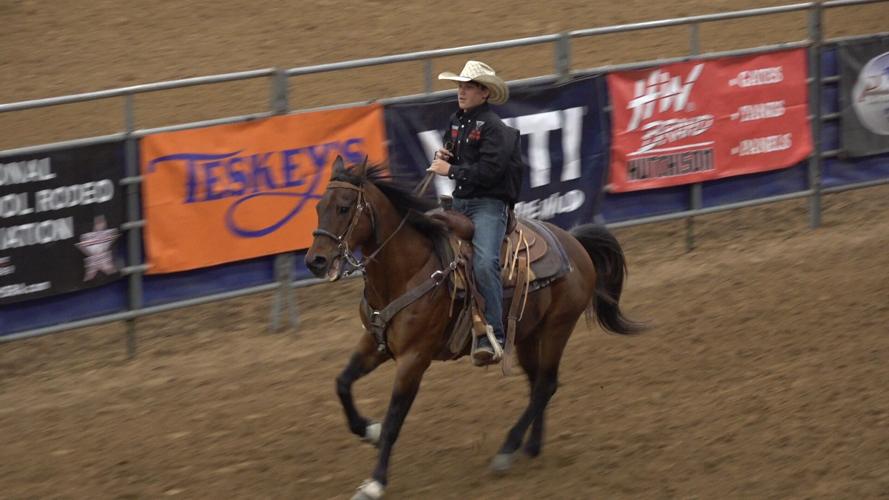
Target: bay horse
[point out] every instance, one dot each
(364, 208)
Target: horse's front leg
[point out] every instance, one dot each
(363, 361)
(407, 382)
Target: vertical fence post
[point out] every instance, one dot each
(816, 36)
(284, 262)
(563, 63)
(284, 293)
(280, 93)
(603, 102)
(696, 196)
(134, 231)
(563, 56)
(694, 38)
(428, 82)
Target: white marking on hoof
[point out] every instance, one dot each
(369, 490)
(372, 432)
(502, 462)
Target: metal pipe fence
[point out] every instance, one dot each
(279, 104)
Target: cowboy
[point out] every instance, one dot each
(479, 159)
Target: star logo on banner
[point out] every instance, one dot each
(96, 245)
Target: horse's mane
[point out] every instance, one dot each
(399, 191)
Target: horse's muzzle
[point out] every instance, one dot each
(323, 268)
(317, 264)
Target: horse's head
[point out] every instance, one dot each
(345, 221)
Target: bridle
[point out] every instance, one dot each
(342, 240)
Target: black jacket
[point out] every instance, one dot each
(487, 160)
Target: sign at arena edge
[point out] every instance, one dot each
(60, 217)
(233, 192)
(701, 120)
(864, 85)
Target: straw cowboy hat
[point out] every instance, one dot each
(477, 71)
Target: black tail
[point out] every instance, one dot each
(611, 269)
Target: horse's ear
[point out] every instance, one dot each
(338, 166)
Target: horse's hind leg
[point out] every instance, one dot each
(543, 386)
(363, 361)
(529, 358)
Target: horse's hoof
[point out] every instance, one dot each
(502, 462)
(372, 433)
(369, 490)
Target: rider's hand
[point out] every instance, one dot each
(439, 167)
(443, 154)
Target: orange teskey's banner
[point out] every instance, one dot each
(233, 192)
(701, 120)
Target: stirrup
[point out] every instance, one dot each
(497, 349)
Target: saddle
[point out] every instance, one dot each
(526, 240)
(531, 258)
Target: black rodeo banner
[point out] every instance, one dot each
(864, 83)
(60, 217)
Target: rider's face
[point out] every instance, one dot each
(471, 94)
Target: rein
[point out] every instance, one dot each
(379, 319)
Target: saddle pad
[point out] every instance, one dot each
(553, 263)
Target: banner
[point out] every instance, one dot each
(60, 217)
(701, 120)
(864, 86)
(233, 192)
(562, 138)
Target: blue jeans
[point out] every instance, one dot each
(489, 216)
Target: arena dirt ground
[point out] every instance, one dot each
(759, 377)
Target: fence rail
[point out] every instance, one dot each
(278, 78)
(136, 89)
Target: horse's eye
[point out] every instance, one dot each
(342, 210)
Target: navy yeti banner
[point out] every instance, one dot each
(60, 217)
(564, 146)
